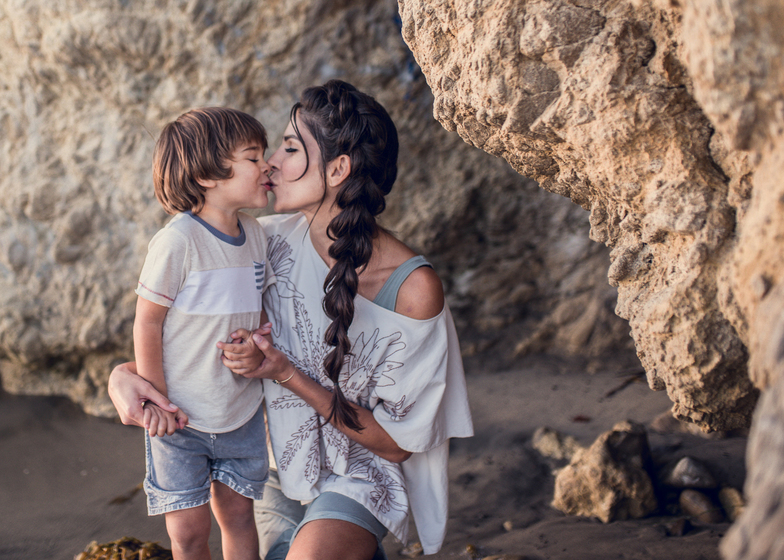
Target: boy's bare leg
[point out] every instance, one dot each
(189, 531)
(234, 513)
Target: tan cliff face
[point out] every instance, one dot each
(595, 101)
(666, 120)
(88, 85)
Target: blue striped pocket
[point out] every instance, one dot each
(259, 272)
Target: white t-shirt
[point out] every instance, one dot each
(212, 284)
(408, 372)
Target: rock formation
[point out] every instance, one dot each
(757, 532)
(610, 480)
(666, 120)
(86, 87)
(595, 103)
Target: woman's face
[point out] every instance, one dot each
(295, 192)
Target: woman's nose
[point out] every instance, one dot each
(273, 159)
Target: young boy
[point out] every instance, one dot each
(204, 277)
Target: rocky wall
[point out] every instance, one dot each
(594, 101)
(666, 120)
(735, 53)
(87, 85)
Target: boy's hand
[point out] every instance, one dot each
(242, 355)
(129, 392)
(159, 422)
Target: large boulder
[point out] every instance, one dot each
(610, 480)
(595, 102)
(666, 120)
(88, 85)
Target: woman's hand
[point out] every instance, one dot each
(129, 392)
(240, 359)
(276, 365)
(373, 437)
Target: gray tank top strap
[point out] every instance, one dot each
(387, 296)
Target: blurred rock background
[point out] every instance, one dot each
(86, 87)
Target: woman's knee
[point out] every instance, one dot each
(333, 539)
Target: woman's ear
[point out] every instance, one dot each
(338, 170)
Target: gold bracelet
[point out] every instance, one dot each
(276, 382)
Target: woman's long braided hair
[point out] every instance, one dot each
(345, 121)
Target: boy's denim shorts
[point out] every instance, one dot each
(181, 467)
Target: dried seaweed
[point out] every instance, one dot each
(126, 548)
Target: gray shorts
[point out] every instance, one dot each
(331, 505)
(181, 467)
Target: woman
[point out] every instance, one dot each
(364, 385)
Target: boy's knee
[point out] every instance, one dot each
(189, 540)
(230, 501)
(190, 530)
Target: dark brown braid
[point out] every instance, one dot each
(345, 121)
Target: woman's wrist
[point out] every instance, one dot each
(286, 376)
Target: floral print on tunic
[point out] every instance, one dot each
(369, 365)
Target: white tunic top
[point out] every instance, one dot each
(408, 372)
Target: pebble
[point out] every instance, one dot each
(699, 506)
(732, 501)
(690, 473)
(678, 528)
(553, 444)
(413, 550)
(666, 423)
(126, 547)
(508, 526)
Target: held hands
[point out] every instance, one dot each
(242, 355)
(159, 422)
(131, 395)
(243, 360)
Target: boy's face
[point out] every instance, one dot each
(249, 184)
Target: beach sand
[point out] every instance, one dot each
(68, 479)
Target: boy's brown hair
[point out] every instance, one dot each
(196, 147)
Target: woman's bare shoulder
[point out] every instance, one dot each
(422, 295)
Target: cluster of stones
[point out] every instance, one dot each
(615, 478)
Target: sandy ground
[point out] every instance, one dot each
(63, 472)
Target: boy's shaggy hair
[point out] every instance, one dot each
(198, 146)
